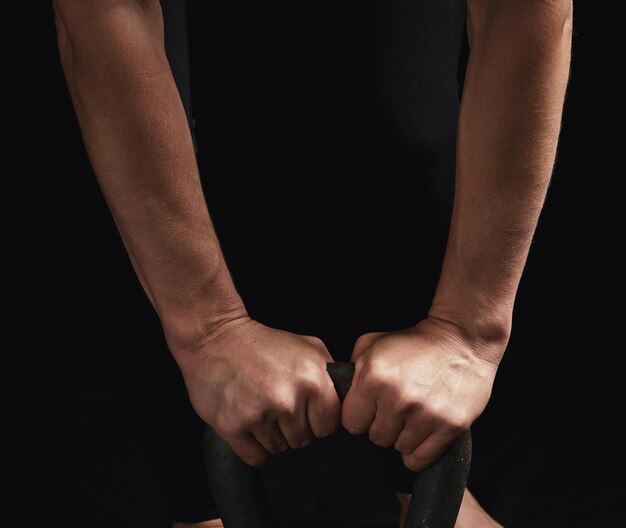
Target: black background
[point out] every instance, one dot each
(548, 451)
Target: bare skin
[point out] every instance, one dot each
(293, 403)
(417, 388)
(216, 523)
(139, 143)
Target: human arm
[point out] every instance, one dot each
(137, 137)
(417, 389)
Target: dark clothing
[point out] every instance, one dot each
(326, 144)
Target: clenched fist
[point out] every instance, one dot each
(262, 390)
(417, 389)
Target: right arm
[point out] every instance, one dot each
(134, 127)
(260, 388)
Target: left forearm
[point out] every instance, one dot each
(507, 136)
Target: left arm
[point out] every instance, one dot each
(419, 388)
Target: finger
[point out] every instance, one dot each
(429, 451)
(295, 428)
(249, 450)
(358, 411)
(363, 343)
(412, 435)
(320, 346)
(270, 437)
(386, 427)
(324, 410)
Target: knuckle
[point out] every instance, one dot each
(311, 386)
(375, 378)
(228, 428)
(309, 380)
(284, 406)
(458, 422)
(362, 341)
(316, 341)
(236, 431)
(383, 376)
(252, 416)
(433, 411)
(380, 367)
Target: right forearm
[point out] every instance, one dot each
(138, 140)
(261, 389)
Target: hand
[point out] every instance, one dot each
(262, 390)
(417, 389)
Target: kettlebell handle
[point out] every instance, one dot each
(241, 500)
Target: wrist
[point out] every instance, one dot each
(485, 328)
(189, 323)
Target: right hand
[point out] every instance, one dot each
(262, 390)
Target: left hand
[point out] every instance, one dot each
(417, 389)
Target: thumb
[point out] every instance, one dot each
(363, 343)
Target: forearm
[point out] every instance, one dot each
(138, 141)
(508, 130)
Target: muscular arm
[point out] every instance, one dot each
(261, 389)
(417, 389)
(139, 144)
(507, 137)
